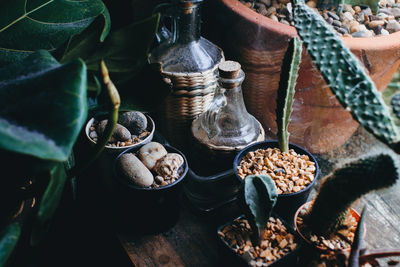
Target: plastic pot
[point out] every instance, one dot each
(230, 258)
(353, 213)
(287, 204)
(147, 209)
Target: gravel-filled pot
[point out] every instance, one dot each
(319, 122)
(230, 257)
(147, 209)
(287, 203)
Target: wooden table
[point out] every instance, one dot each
(193, 242)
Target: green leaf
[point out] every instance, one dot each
(260, 196)
(49, 203)
(373, 4)
(28, 25)
(42, 106)
(8, 240)
(287, 83)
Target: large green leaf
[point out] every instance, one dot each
(8, 239)
(49, 203)
(30, 25)
(42, 106)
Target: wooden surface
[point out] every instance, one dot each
(193, 242)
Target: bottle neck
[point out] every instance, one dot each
(188, 23)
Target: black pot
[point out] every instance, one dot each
(147, 210)
(228, 257)
(287, 204)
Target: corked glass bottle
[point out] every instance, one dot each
(188, 63)
(226, 127)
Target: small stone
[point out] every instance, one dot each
(382, 16)
(354, 28)
(336, 23)
(357, 9)
(311, 4)
(377, 30)
(367, 11)
(376, 23)
(92, 128)
(93, 135)
(385, 11)
(362, 27)
(392, 26)
(164, 183)
(274, 18)
(120, 132)
(169, 165)
(271, 11)
(347, 16)
(133, 169)
(354, 23)
(284, 22)
(333, 15)
(384, 32)
(359, 34)
(284, 1)
(395, 12)
(134, 121)
(150, 153)
(265, 2)
(340, 30)
(329, 20)
(158, 179)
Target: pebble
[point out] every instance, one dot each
(360, 34)
(274, 18)
(265, 2)
(271, 10)
(120, 132)
(150, 153)
(357, 9)
(311, 4)
(384, 32)
(347, 16)
(169, 165)
(395, 12)
(340, 30)
(376, 23)
(336, 23)
(377, 30)
(392, 26)
(133, 169)
(333, 15)
(329, 20)
(348, 8)
(93, 134)
(159, 179)
(134, 121)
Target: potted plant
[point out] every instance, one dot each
(258, 43)
(293, 169)
(257, 238)
(328, 222)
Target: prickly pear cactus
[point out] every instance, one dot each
(260, 197)
(345, 75)
(287, 83)
(340, 189)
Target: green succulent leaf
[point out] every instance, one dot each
(373, 4)
(30, 25)
(49, 203)
(345, 75)
(260, 196)
(287, 83)
(42, 106)
(8, 240)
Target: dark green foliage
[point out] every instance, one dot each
(287, 83)
(358, 240)
(42, 106)
(345, 75)
(8, 240)
(344, 186)
(260, 197)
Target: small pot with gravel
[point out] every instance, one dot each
(293, 169)
(329, 223)
(147, 184)
(257, 238)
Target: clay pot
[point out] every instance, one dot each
(353, 213)
(319, 123)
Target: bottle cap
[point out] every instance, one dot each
(229, 69)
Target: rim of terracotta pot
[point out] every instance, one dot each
(354, 213)
(370, 43)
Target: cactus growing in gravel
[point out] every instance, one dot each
(345, 75)
(259, 199)
(340, 189)
(287, 83)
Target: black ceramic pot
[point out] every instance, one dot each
(147, 210)
(287, 204)
(228, 257)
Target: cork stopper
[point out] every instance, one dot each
(229, 69)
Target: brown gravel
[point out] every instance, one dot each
(340, 240)
(290, 171)
(276, 243)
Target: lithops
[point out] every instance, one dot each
(134, 121)
(150, 153)
(168, 166)
(134, 170)
(120, 132)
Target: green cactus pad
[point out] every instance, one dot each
(344, 74)
(287, 83)
(339, 190)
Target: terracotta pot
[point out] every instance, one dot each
(353, 213)
(319, 123)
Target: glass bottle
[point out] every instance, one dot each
(226, 127)
(188, 63)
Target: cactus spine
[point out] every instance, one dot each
(260, 197)
(287, 83)
(345, 75)
(340, 189)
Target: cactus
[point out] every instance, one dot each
(260, 197)
(340, 189)
(345, 75)
(287, 83)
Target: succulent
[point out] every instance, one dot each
(287, 83)
(344, 186)
(345, 75)
(259, 197)
(338, 4)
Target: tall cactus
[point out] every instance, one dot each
(340, 189)
(259, 197)
(345, 75)
(287, 83)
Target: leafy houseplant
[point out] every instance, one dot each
(338, 191)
